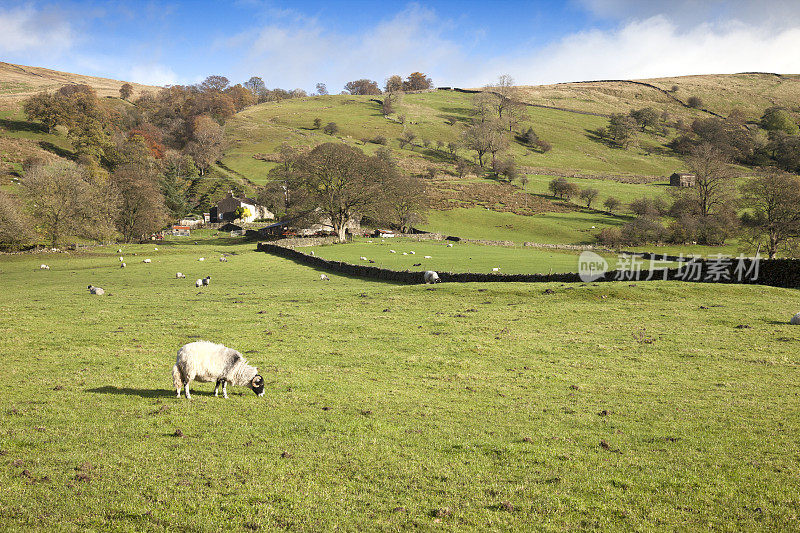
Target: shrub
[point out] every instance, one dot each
(380, 139)
(695, 101)
(330, 128)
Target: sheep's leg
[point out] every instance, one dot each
(186, 390)
(225, 389)
(216, 387)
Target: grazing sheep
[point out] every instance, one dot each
(363, 258)
(198, 283)
(323, 277)
(449, 244)
(205, 362)
(96, 290)
(430, 277)
(119, 251)
(202, 259)
(223, 259)
(412, 252)
(404, 253)
(496, 269)
(146, 261)
(795, 320)
(311, 253)
(392, 252)
(44, 267)
(427, 257)
(121, 259)
(180, 275)
(206, 280)
(122, 265)
(155, 249)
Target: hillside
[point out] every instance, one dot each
(17, 82)
(566, 115)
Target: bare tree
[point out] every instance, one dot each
(207, 142)
(772, 219)
(15, 228)
(322, 89)
(588, 195)
(713, 187)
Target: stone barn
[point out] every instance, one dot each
(682, 180)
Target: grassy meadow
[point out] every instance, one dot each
(638, 406)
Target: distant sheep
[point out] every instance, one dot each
(795, 320)
(449, 244)
(430, 277)
(202, 259)
(323, 277)
(198, 283)
(311, 253)
(496, 269)
(44, 267)
(180, 275)
(404, 253)
(206, 362)
(206, 280)
(119, 251)
(223, 259)
(146, 261)
(121, 259)
(96, 290)
(392, 252)
(412, 252)
(122, 265)
(155, 249)
(427, 257)
(363, 258)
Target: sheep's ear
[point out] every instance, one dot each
(258, 380)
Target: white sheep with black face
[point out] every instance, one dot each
(96, 290)
(180, 275)
(44, 267)
(206, 362)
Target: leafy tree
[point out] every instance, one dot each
(588, 195)
(621, 129)
(362, 86)
(66, 202)
(337, 183)
(322, 89)
(772, 219)
(125, 91)
(695, 101)
(611, 204)
(562, 188)
(646, 117)
(240, 97)
(207, 142)
(777, 118)
(417, 81)
(141, 211)
(528, 137)
(394, 84)
(241, 213)
(331, 128)
(257, 88)
(215, 84)
(387, 106)
(15, 228)
(483, 138)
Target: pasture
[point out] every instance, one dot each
(461, 406)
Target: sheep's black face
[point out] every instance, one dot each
(257, 384)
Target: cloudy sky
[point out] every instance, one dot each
(465, 43)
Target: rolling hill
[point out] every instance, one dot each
(566, 115)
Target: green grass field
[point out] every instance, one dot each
(461, 257)
(460, 406)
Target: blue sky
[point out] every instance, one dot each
(461, 43)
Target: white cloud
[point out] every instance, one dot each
(657, 47)
(29, 30)
(302, 52)
(153, 74)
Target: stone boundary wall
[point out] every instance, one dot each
(774, 272)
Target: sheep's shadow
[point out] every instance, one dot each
(142, 393)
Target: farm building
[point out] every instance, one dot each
(181, 231)
(682, 180)
(226, 208)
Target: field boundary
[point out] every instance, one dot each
(774, 272)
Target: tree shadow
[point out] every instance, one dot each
(142, 393)
(60, 152)
(598, 137)
(22, 125)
